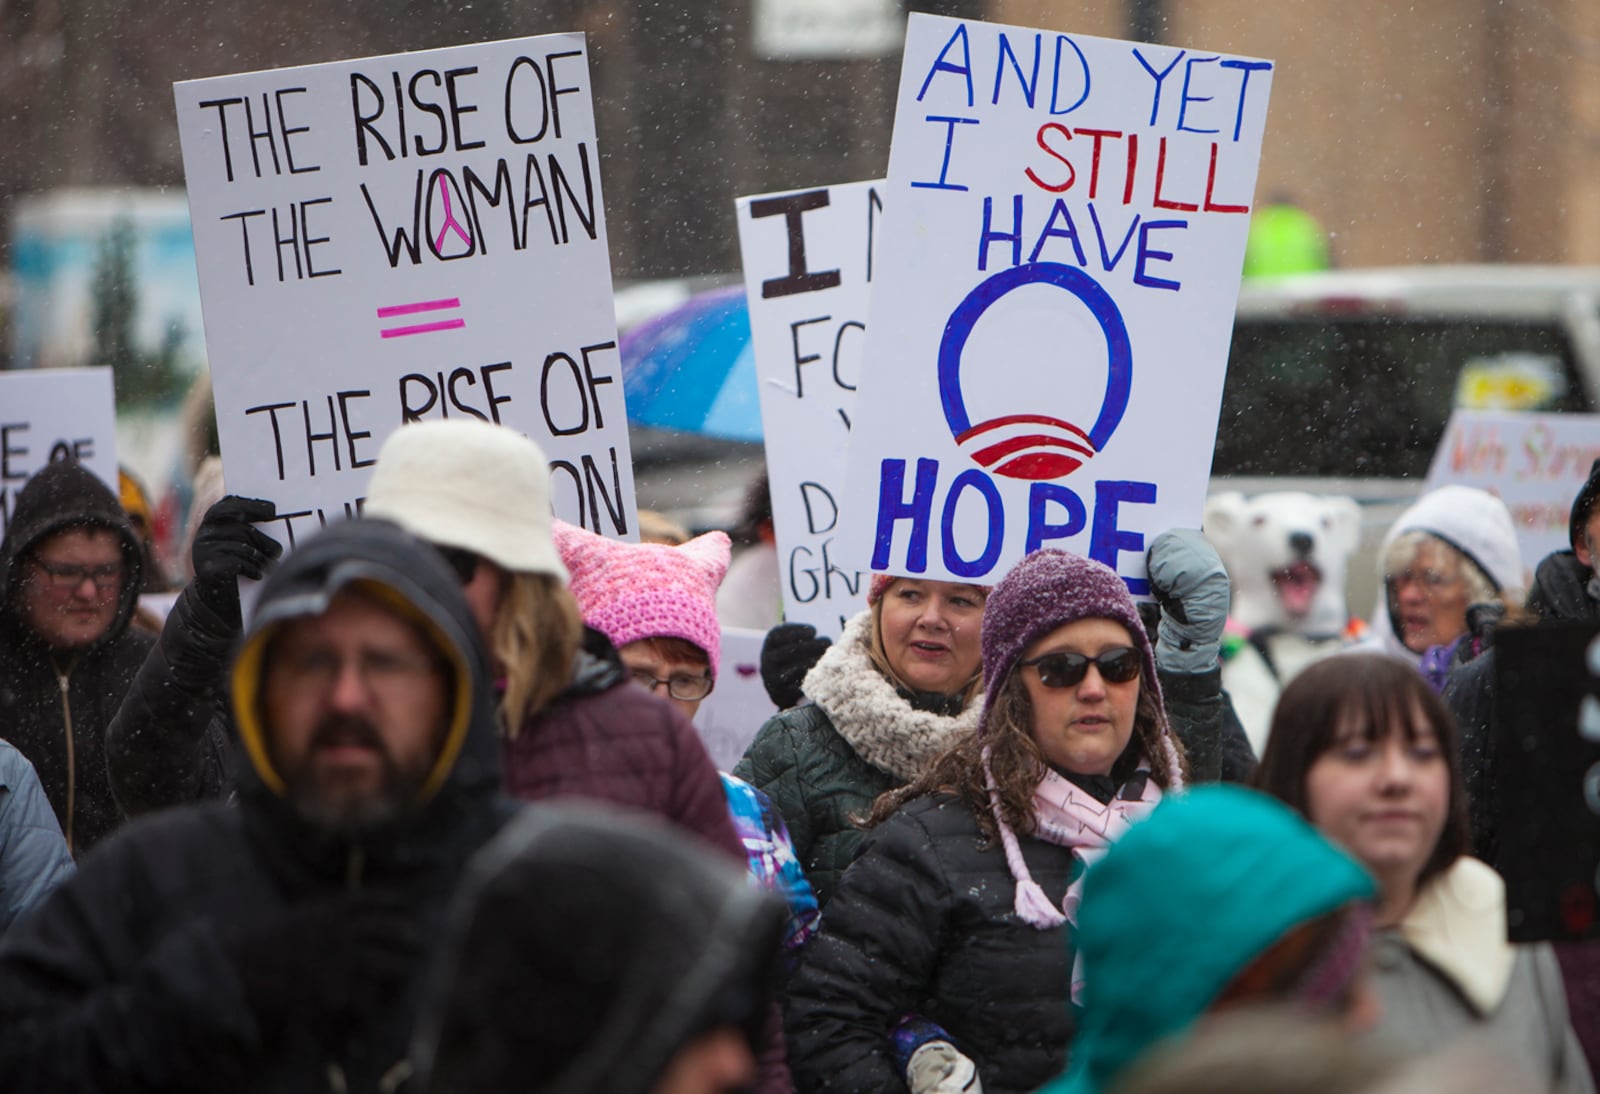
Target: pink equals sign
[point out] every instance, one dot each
(420, 308)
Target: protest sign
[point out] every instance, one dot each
(1535, 463)
(1053, 300)
(807, 268)
(53, 414)
(1546, 786)
(403, 238)
(738, 706)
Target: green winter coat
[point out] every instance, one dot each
(824, 763)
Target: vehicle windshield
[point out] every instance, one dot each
(1369, 396)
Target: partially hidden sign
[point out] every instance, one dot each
(403, 238)
(55, 414)
(1054, 299)
(1535, 463)
(808, 266)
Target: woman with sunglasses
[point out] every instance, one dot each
(957, 908)
(904, 683)
(1369, 754)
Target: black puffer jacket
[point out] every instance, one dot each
(54, 707)
(123, 979)
(923, 924)
(821, 785)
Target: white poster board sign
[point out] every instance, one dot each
(1535, 463)
(1054, 300)
(404, 238)
(808, 267)
(739, 706)
(53, 414)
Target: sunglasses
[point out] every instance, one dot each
(1066, 670)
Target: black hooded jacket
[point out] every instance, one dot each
(124, 979)
(55, 707)
(171, 741)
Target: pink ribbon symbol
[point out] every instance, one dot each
(450, 221)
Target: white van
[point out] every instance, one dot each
(1342, 382)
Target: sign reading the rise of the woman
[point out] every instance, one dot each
(1050, 328)
(402, 238)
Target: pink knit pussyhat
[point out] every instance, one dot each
(634, 591)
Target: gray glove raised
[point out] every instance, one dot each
(939, 1068)
(1193, 589)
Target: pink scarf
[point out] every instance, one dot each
(1070, 817)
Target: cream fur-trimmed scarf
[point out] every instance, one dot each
(873, 718)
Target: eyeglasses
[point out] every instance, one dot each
(1066, 670)
(317, 668)
(68, 575)
(682, 686)
(1430, 580)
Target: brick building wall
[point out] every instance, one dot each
(1435, 131)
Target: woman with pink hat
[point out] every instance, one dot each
(657, 604)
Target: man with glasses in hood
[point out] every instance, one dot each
(70, 571)
(277, 946)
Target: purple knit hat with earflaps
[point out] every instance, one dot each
(1046, 590)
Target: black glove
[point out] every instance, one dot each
(228, 547)
(328, 961)
(787, 654)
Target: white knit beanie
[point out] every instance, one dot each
(1474, 522)
(465, 483)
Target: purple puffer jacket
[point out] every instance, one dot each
(604, 739)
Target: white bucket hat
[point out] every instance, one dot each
(466, 483)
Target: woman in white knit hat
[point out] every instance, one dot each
(1455, 548)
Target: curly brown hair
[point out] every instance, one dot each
(1017, 762)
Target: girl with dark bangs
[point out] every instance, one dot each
(1368, 753)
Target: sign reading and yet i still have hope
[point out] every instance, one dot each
(1053, 299)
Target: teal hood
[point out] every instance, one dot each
(1180, 906)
